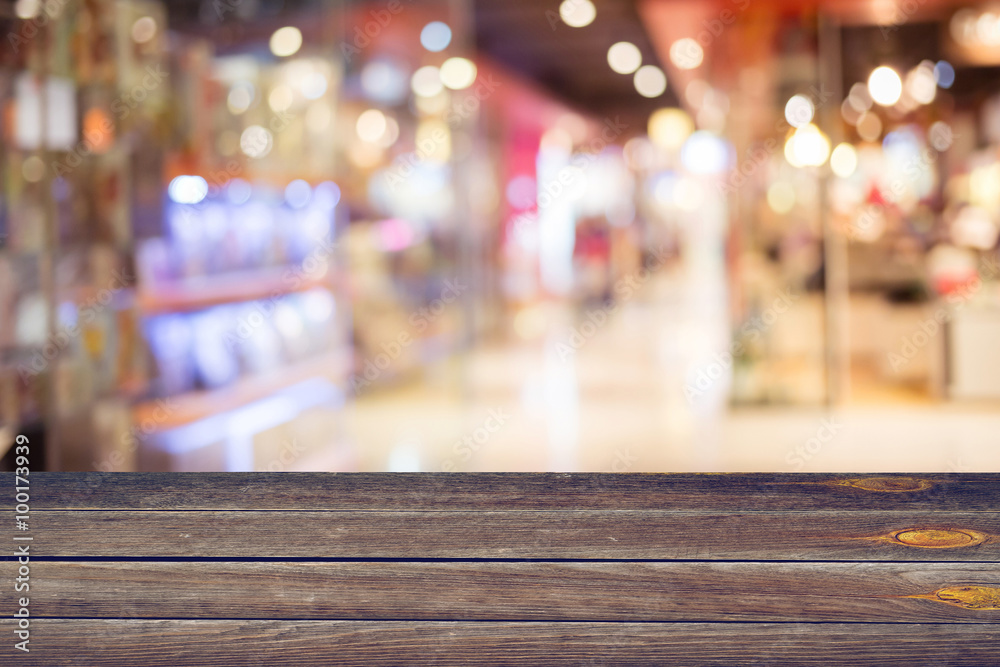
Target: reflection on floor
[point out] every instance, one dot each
(629, 394)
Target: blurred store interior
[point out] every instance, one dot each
(500, 235)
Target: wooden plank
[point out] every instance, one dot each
(525, 491)
(786, 592)
(224, 643)
(576, 535)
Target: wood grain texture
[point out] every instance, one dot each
(538, 569)
(763, 592)
(171, 643)
(525, 491)
(576, 535)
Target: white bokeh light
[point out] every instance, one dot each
(650, 81)
(286, 41)
(686, 53)
(371, 125)
(624, 57)
(885, 86)
(577, 13)
(844, 160)
(799, 111)
(458, 73)
(256, 141)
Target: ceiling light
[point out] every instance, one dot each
(577, 13)
(686, 53)
(624, 57)
(885, 86)
(650, 81)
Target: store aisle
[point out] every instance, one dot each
(625, 397)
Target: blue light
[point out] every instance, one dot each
(238, 191)
(298, 193)
(944, 74)
(327, 195)
(436, 36)
(67, 314)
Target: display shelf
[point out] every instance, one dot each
(203, 292)
(174, 411)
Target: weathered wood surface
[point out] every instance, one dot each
(525, 491)
(228, 643)
(490, 591)
(540, 569)
(568, 534)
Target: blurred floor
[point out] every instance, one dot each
(617, 403)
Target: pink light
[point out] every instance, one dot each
(395, 234)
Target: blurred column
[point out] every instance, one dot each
(836, 287)
(471, 229)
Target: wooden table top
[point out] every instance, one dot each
(236, 569)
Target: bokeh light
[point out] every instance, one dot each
(624, 57)
(844, 160)
(809, 147)
(577, 13)
(705, 153)
(781, 197)
(143, 30)
(885, 86)
(669, 128)
(944, 74)
(436, 36)
(686, 53)
(650, 81)
(256, 141)
(799, 111)
(286, 41)
(371, 125)
(869, 126)
(458, 73)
